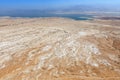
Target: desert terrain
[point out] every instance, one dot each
(59, 49)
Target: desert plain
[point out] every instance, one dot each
(59, 49)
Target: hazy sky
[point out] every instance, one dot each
(42, 4)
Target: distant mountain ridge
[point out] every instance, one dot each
(45, 12)
(86, 8)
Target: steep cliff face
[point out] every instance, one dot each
(52, 53)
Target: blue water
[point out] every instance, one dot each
(37, 15)
(76, 16)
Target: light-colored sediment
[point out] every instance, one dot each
(58, 49)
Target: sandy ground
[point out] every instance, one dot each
(59, 49)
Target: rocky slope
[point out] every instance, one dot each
(58, 49)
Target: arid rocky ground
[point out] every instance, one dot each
(59, 49)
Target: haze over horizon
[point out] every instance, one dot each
(8, 7)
